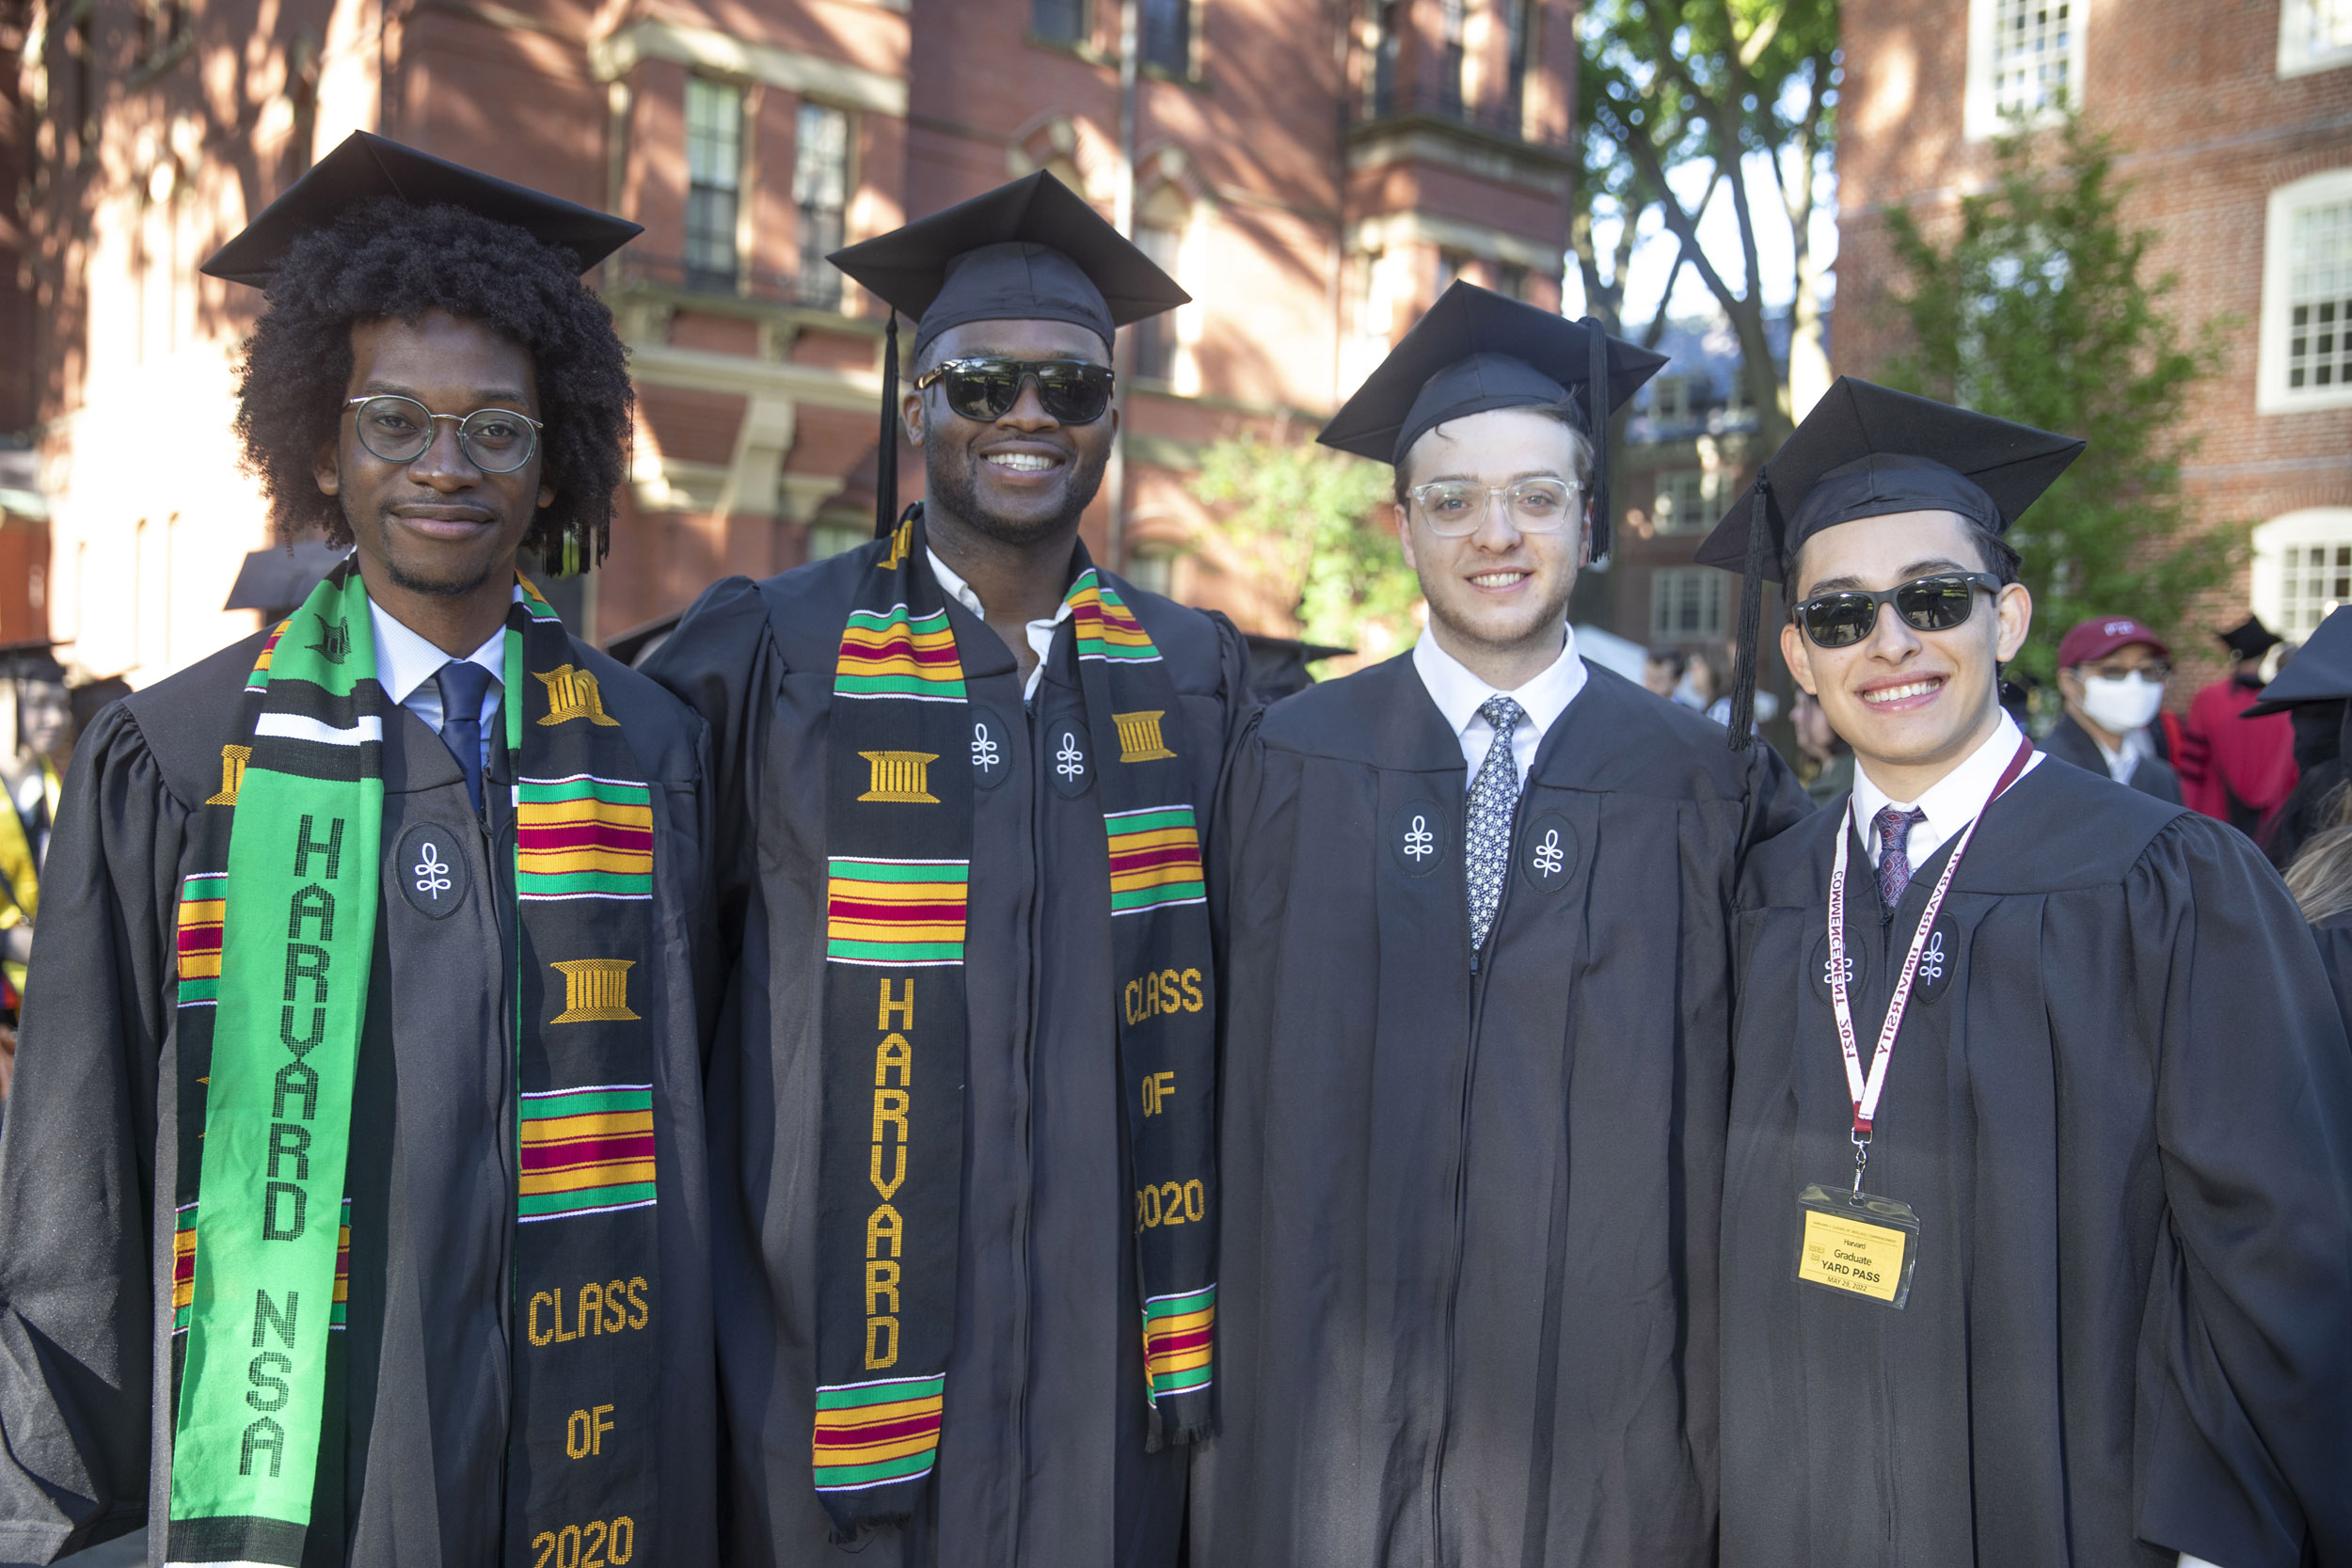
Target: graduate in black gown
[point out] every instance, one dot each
(941, 701)
(2315, 691)
(2066, 1278)
(488, 1049)
(1477, 1029)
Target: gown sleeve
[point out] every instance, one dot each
(77, 1160)
(1777, 802)
(724, 663)
(2244, 1433)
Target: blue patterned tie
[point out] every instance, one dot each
(463, 684)
(1493, 794)
(1894, 825)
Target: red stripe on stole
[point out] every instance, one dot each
(876, 1432)
(200, 939)
(1164, 854)
(895, 915)
(586, 835)
(1169, 1344)
(184, 1267)
(899, 647)
(583, 1151)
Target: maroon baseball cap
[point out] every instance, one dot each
(2100, 636)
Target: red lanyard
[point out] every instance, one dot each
(1865, 1092)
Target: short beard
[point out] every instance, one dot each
(950, 484)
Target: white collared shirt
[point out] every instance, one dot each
(1459, 694)
(1952, 803)
(406, 664)
(1039, 633)
(2124, 761)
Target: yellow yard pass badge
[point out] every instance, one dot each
(1857, 1244)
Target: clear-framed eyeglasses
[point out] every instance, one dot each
(1455, 508)
(399, 429)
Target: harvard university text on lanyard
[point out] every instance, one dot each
(1853, 1242)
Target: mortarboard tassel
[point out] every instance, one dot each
(886, 455)
(1596, 402)
(1751, 613)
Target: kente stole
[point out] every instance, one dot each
(274, 960)
(899, 840)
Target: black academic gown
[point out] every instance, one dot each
(1465, 1280)
(2122, 1107)
(2069, 742)
(88, 1157)
(2334, 937)
(1041, 1455)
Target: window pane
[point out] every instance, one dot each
(714, 134)
(1062, 21)
(2319, 296)
(2032, 58)
(1686, 604)
(821, 197)
(1682, 501)
(1167, 26)
(1154, 337)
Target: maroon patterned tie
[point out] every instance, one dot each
(1894, 825)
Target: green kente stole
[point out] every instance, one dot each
(276, 947)
(899, 840)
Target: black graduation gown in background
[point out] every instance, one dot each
(2334, 937)
(88, 1158)
(2122, 1107)
(2069, 742)
(1466, 1286)
(1041, 1455)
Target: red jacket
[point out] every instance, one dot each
(2236, 769)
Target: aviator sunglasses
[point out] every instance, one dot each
(1073, 391)
(1934, 603)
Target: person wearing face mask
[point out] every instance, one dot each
(2111, 672)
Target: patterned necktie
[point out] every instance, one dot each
(463, 684)
(1894, 825)
(1493, 796)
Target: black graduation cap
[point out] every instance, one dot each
(2250, 638)
(33, 659)
(280, 577)
(2315, 681)
(366, 167)
(1871, 451)
(1030, 250)
(1277, 665)
(1477, 350)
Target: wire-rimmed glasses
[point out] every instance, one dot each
(399, 429)
(1455, 508)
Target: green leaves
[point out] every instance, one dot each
(1319, 520)
(2034, 308)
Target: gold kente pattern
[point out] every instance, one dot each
(595, 990)
(1139, 736)
(899, 542)
(232, 761)
(901, 777)
(572, 694)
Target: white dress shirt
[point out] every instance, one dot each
(1459, 694)
(405, 665)
(1952, 803)
(1039, 633)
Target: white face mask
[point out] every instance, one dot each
(2121, 704)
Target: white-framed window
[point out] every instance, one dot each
(2305, 360)
(1686, 603)
(2314, 35)
(821, 197)
(1685, 501)
(1152, 566)
(2302, 569)
(2025, 58)
(1670, 399)
(714, 181)
(829, 536)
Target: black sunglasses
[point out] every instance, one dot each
(1073, 391)
(1936, 603)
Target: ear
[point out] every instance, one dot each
(546, 495)
(326, 469)
(1797, 654)
(2016, 614)
(1405, 536)
(911, 415)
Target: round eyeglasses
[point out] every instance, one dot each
(399, 429)
(1455, 508)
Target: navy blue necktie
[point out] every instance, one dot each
(463, 684)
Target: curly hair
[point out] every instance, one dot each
(389, 260)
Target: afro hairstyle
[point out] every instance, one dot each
(389, 260)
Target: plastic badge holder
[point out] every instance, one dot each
(1857, 1244)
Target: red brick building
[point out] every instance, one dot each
(2237, 119)
(1313, 170)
